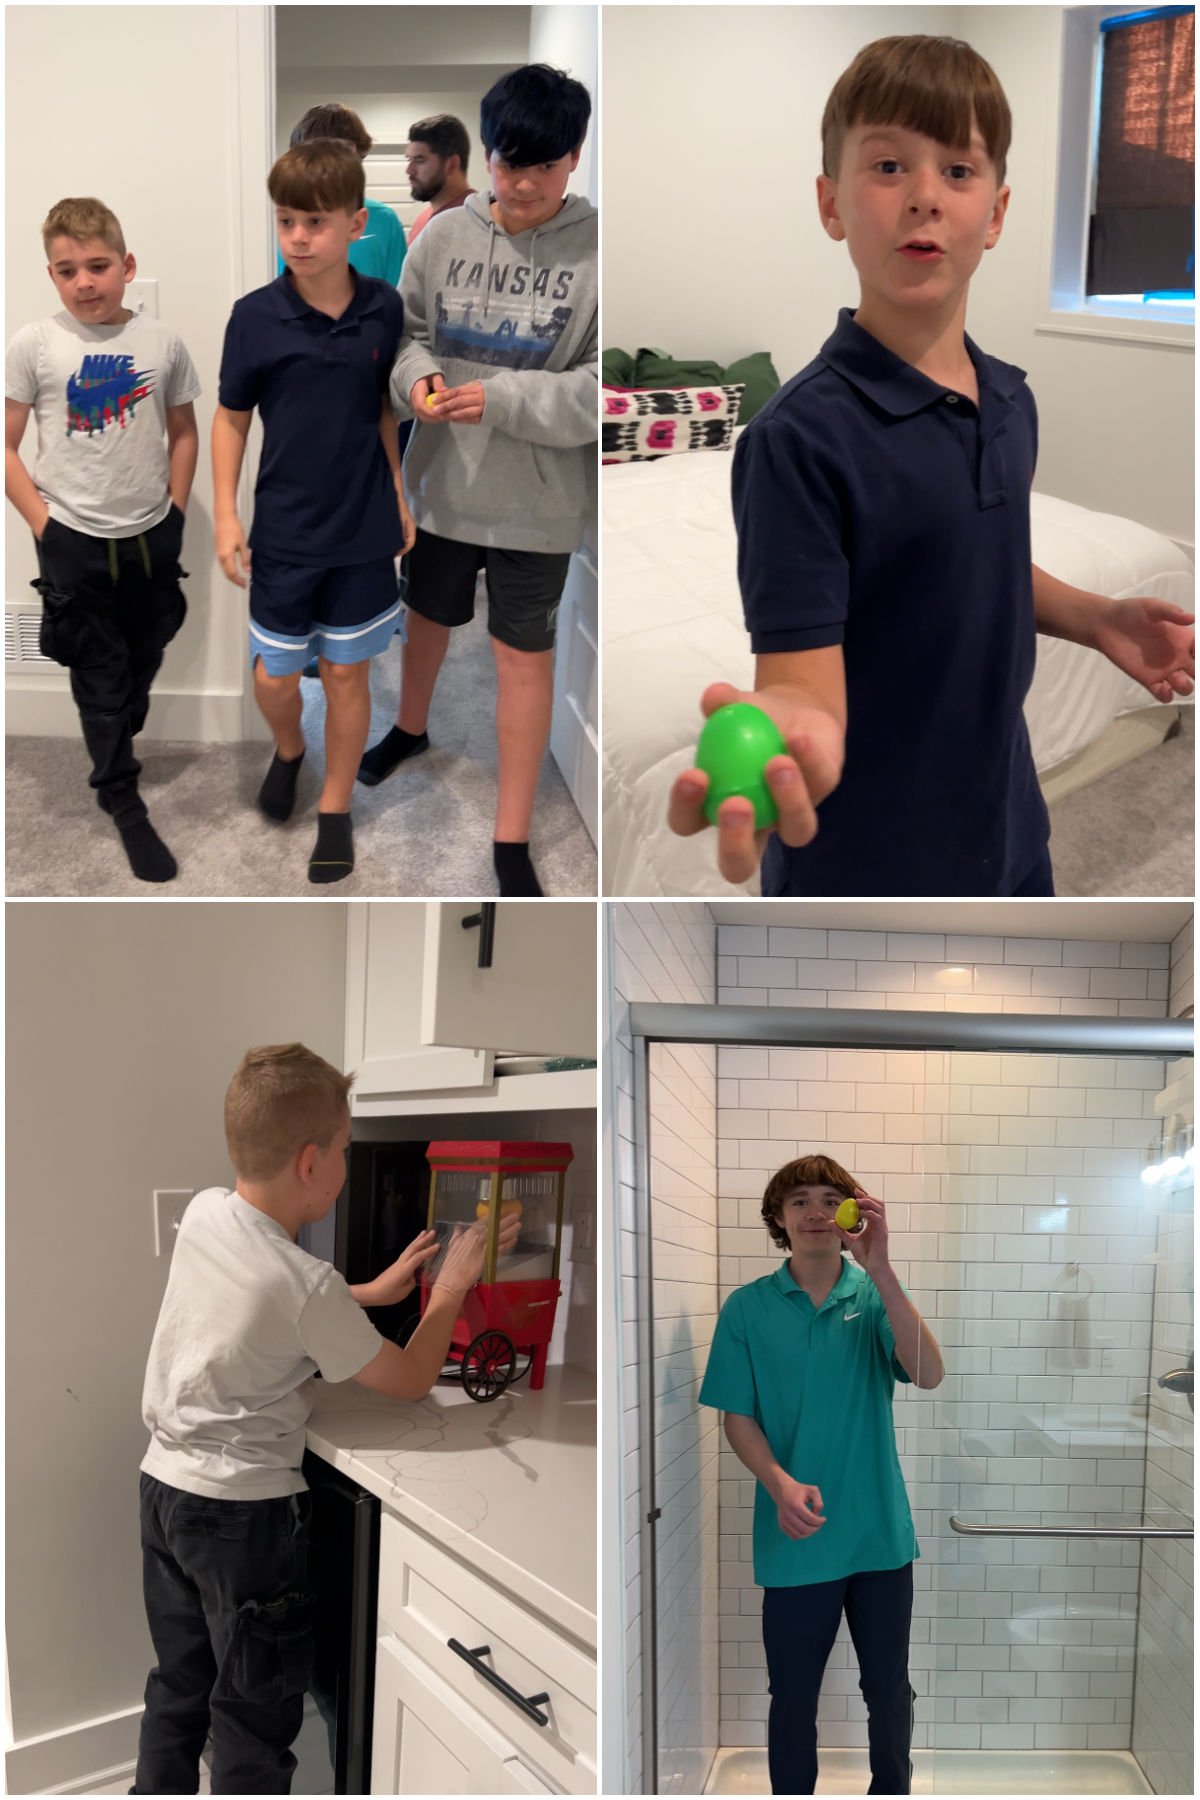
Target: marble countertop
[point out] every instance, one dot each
(508, 1487)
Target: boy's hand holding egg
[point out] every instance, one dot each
(861, 1223)
(799, 748)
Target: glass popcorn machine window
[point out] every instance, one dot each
(504, 1329)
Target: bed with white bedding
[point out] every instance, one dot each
(673, 624)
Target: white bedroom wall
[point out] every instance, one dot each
(712, 246)
(198, 123)
(126, 1023)
(662, 953)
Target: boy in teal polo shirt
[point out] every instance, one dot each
(803, 1364)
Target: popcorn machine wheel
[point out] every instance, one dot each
(510, 1313)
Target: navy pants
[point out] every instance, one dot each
(230, 1615)
(799, 1627)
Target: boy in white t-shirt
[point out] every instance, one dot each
(112, 391)
(247, 1318)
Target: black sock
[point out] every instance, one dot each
(389, 753)
(148, 856)
(277, 795)
(514, 871)
(333, 853)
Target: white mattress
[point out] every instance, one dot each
(673, 624)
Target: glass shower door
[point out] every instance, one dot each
(1051, 1471)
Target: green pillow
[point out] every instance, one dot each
(655, 369)
(616, 368)
(758, 376)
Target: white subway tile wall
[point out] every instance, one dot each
(669, 953)
(1025, 1236)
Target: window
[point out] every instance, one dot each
(1140, 237)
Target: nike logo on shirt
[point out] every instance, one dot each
(848, 1316)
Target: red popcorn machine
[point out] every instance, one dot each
(510, 1312)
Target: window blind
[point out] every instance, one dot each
(1141, 235)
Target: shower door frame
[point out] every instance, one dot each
(823, 1028)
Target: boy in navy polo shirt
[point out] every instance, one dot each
(795, 1356)
(313, 351)
(882, 508)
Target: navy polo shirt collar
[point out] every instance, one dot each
(895, 385)
(291, 305)
(844, 1287)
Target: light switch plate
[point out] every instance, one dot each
(169, 1207)
(142, 297)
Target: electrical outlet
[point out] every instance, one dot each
(583, 1227)
(169, 1207)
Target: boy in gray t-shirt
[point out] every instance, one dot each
(247, 1319)
(112, 394)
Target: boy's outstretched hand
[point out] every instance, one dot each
(467, 1250)
(398, 1281)
(1152, 640)
(798, 782)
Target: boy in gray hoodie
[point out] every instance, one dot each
(498, 365)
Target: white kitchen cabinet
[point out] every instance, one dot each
(429, 1599)
(428, 1029)
(427, 1742)
(574, 728)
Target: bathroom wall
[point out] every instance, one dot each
(1163, 1701)
(1025, 1237)
(664, 953)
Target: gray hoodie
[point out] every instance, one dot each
(518, 314)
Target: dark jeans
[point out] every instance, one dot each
(230, 1614)
(799, 1626)
(110, 607)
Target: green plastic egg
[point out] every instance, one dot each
(848, 1215)
(735, 747)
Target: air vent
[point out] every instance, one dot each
(21, 650)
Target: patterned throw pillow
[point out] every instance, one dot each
(641, 424)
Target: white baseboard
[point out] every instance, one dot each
(65, 1762)
(41, 706)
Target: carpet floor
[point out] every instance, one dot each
(426, 830)
(1133, 832)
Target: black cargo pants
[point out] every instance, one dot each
(110, 607)
(231, 1618)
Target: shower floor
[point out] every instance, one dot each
(951, 1772)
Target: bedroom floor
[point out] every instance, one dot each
(1133, 831)
(426, 830)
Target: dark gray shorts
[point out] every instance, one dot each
(524, 588)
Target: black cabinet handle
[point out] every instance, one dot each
(528, 1707)
(485, 918)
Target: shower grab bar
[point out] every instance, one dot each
(1082, 1531)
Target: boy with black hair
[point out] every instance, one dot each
(882, 508)
(312, 351)
(112, 392)
(793, 1356)
(498, 366)
(248, 1317)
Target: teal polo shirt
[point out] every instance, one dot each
(818, 1380)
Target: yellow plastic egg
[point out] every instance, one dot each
(506, 1207)
(848, 1215)
(431, 401)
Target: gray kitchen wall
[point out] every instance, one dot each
(125, 1024)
